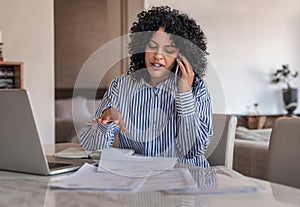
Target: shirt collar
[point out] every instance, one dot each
(169, 83)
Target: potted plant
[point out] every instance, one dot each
(290, 95)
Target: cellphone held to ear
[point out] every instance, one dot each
(177, 67)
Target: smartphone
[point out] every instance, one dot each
(177, 66)
(177, 71)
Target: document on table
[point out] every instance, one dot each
(173, 179)
(133, 166)
(117, 171)
(231, 181)
(219, 180)
(88, 178)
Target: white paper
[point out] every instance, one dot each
(133, 166)
(219, 180)
(88, 178)
(230, 181)
(177, 178)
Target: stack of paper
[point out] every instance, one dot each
(88, 178)
(218, 180)
(133, 166)
(121, 172)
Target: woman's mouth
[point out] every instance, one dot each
(157, 66)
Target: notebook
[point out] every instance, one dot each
(21, 148)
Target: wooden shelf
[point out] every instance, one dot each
(259, 121)
(17, 76)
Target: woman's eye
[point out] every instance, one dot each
(170, 50)
(151, 45)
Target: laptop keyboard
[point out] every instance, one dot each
(53, 165)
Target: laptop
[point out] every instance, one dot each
(21, 149)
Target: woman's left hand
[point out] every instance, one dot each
(186, 75)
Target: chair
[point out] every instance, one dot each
(283, 163)
(220, 150)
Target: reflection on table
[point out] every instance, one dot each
(18, 189)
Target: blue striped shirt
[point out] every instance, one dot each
(160, 120)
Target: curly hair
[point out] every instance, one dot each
(185, 33)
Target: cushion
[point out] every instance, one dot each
(253, 134)
(63, 108)
(92, 105)
(250, 157)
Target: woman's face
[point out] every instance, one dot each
(160, 55)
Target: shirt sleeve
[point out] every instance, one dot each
(194, 122)
(98, 136)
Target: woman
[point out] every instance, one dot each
(162, 106)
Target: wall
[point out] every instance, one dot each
(27, 30)
(83, 27)
(247, 40)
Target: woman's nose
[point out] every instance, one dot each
(159, 53)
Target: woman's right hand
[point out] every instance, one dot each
(112, 115)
